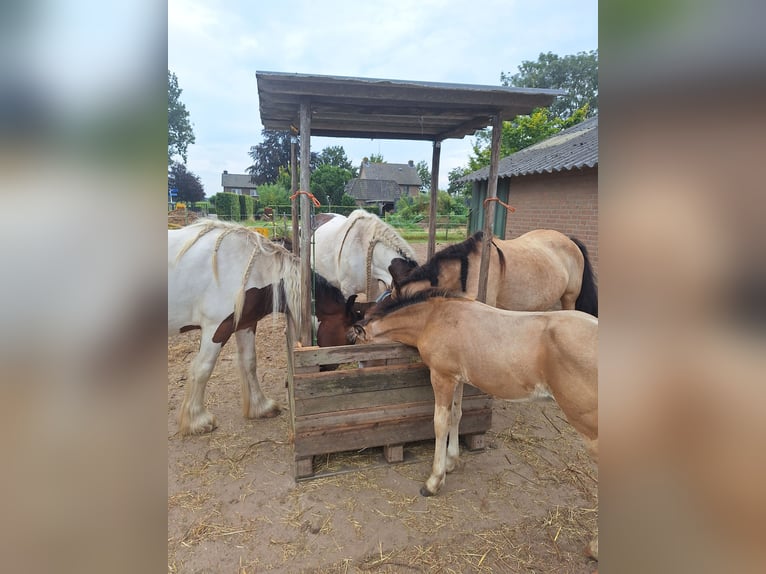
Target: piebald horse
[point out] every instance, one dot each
(354, 252)
(508, 354)
(224, 278)
(533, 272)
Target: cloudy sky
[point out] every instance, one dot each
(215, 48)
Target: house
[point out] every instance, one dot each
(238, 183)
(552, 184)
(383, 184)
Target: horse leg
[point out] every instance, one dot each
(444, 390)
(453, 446)
(255, 404)
(194, 418)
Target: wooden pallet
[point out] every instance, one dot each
(387, 403)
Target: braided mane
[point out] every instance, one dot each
(285, 268)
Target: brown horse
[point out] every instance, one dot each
(509, 354)
(530, 273)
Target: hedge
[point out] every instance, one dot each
(246, 205)
(227, 206)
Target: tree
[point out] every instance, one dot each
(189, 186)
(180, 132)
(272, 155)
(521, 132)
(328, 182)
(376, 158)
(271, 194)
(577, 74)
(456, 189)
(425, 175)
(336, 156)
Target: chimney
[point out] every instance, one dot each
(225, 172)
(411, 163)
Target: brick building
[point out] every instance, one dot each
(552, 184)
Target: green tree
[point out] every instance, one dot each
(189, 186)
(521, 132)
(336, 156)
(377, 158)
(455, 188)
(328, 182)
(272, 155)
(577, 74)
(180, 132)
(425, 175)
(271, 194)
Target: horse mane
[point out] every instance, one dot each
(285, 271)
(324, 289)
(390, 305)
(429, 271)
(381, 232)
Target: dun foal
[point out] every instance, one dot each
(508, 354)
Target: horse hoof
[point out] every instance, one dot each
(591, 550)
(425, 492)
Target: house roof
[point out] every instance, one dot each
(401, 173)
(237, 180)
(373, 190)
(389, 109)
(572, 148)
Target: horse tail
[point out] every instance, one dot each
(587, 300)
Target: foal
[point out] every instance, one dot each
(508, 354)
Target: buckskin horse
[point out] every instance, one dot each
(530, 273)
(508, 354)
(224, 278)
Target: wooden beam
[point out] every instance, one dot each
(305, 231)
(434, 197)
(489, 207)
(293, 189)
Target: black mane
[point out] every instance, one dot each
(429, 271)
(324, 290)
(389, 305)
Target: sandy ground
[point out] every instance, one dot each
(528, 503)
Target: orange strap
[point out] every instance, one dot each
(313, 199)
(497, 199)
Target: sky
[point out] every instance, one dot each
(215, 48)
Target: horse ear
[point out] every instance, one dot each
(350, 304)
(399, 269)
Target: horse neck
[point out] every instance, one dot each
(404, 325)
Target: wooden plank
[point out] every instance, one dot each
(474, 441)
(377, 414)
(303, 467)
(331, 383)
(433, 199)
(312, 355)
(393, 453)
(411, 430)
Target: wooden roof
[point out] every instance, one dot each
(389, 109)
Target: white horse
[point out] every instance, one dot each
(220, 277)
(354, 252)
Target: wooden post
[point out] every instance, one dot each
(305, 230)
(293, 189)
(489, 207)
(434, 197)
